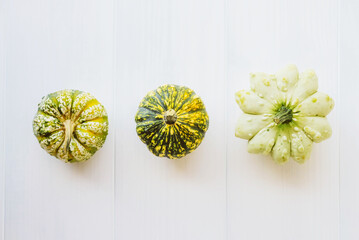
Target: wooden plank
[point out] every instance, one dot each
(180, 42)
(54, 45)
(2, 121)
(349, 113)
(265, 200)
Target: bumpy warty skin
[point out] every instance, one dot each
(283, 114)
(71, 125)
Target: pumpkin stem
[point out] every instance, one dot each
(69, 128)
(284, 115)
(170, 116)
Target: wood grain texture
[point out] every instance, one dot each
(349, 112)
(2, 120)
(179, 42)
(52, 46)
(267, 201)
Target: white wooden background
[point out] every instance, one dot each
(120, 49)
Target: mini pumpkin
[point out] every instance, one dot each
(284, 114)
(172, 121)
(71, 125)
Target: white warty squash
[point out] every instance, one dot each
(283, 114)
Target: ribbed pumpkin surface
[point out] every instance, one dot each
(71, 125)
(172, 121)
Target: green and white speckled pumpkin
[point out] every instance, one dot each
(284, 114)
(71, 125)
(172, 121)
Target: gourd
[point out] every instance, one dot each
(283, 114)
(70, 125)
(172, 121)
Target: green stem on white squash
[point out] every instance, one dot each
(170, 117)
(284, 115)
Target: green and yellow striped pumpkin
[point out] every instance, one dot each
(71, 125)
(172, 121)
